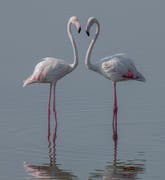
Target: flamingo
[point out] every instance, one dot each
(117, 67)
(50, 69)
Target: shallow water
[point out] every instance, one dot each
(83, 147)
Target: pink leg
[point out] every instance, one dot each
(55, 124)
(115, 109)
(49, 100)
(54, 106)
(115, 150)
(55, 134)
(52, 147)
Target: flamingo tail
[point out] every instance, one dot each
(28, 81)
(140, 77)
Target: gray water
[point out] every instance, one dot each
(83, 148)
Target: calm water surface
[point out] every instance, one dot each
(82, 147)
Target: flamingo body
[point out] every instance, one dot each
(118, 68)
(49, 70)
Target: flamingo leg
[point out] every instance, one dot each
(54, 143)
(55, 125)
(54, 106)
(115, 109)
(52, 147)
(115, 150)
(49, 100)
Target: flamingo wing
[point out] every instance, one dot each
(49, 70)
(119, 67)
(55, 69)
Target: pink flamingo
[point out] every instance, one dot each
(50, 70)
(116, 68)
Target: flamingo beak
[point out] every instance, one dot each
(79, 29)
(78, 26)
(87, 32)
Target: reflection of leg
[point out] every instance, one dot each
(49, 100)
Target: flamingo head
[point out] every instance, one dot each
(74, 20)
(90, 22)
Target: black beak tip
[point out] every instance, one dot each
(87, 32)
(79, 30)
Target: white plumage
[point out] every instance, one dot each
(119, 68)
(116, 68)
(50, 70)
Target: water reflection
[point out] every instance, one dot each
(119, 170)
(52, 169)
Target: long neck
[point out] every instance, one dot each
(89, 50)
(75, 52)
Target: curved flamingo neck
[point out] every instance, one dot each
(75, 52)
(91, 45)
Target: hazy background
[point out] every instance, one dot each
(30, 30)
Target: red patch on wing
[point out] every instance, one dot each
(36, 78)
(128, 75)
